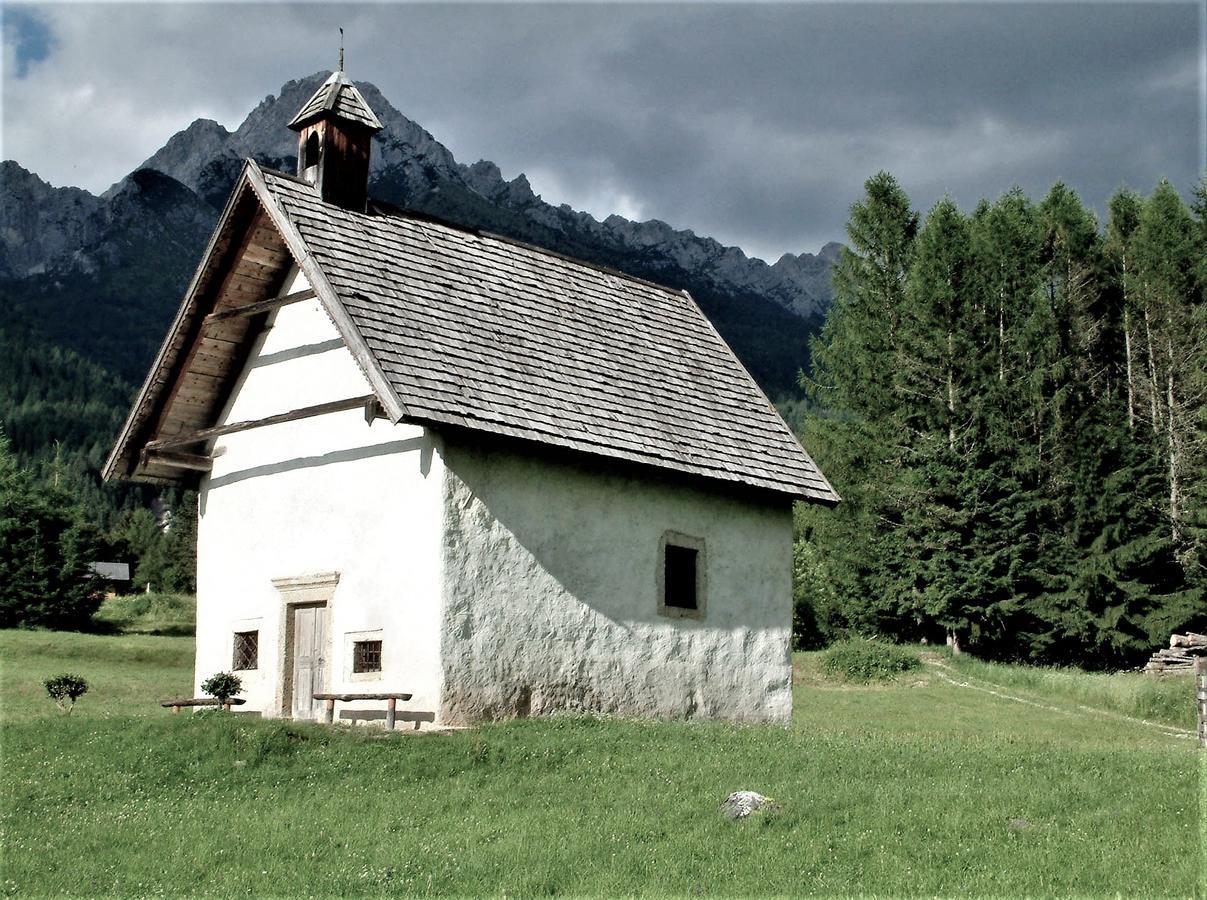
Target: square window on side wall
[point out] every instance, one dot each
(682, 585)
(246, 654)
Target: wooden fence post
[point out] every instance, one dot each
(1200, 696)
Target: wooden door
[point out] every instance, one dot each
(309, 659)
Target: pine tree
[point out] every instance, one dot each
(935, 380)
(1167, 270)
(1007, 240)
(1196, 486)
(853, 365)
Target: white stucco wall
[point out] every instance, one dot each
(329, 494)
(551, 594)
(500, 583)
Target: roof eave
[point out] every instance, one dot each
(830, 496)
(147, 394)
(302, 121)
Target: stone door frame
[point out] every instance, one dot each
(297, 591)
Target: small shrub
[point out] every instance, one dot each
(864, 661)
(222, 686)
(65, 689)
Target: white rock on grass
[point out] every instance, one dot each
(741, 804)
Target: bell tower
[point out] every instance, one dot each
(335, 131)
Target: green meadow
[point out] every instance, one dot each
(918, 787)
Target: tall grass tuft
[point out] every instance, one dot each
(1168, 699)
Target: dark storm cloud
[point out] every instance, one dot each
(756, 124)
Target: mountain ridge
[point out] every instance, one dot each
(796, 281)
(71, 252)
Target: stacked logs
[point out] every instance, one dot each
(1180, 655)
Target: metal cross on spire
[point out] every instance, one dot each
(341, 49)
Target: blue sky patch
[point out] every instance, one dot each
(27, 35)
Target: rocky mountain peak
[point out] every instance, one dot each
(188, 152)
(172, 200)
(40, 224)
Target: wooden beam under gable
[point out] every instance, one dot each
(255, 309)
(193, 397)
(195, 462)
(306, 412)
(187, 345)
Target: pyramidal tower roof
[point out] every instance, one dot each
(338, 98)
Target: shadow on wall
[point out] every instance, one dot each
(422, 444)
(592, 532)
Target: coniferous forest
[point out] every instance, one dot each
(1014, 415)
(1010, 401)
(59, 413)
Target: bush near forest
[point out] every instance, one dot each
(863, 661)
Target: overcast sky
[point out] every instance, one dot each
(754, 123)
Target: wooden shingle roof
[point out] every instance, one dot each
(481, 332)
(338, 96)
(470, 330)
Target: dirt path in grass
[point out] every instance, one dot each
(942, 670)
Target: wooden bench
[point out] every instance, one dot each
(202, 701)
(391, 704)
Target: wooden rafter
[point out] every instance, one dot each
(306, 412)
(177, 460)
(255, 309)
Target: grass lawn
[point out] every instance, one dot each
(915, 788)
(172, 614)
(1129, 693)
(126, 674)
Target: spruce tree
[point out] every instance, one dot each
(1008, 239)
(853, 379)
(1167, 274)
(936, 380)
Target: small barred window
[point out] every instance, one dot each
(247, 650)
(366, 656)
